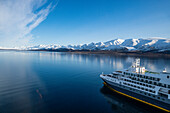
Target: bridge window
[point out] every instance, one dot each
(109, 75)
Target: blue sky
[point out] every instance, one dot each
(85, 21)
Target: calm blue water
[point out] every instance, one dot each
(41, 82)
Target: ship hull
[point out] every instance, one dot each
(117, 88)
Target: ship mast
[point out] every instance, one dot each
(136, 66)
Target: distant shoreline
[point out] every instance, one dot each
(108, 52)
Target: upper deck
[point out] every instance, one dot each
(154, 76)
(140, 72)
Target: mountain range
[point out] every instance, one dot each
(152, 44)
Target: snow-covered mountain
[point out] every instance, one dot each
(159, 44)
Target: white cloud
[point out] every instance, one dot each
(19, 17)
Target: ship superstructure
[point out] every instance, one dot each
(136, 82)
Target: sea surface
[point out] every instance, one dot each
(54, 82)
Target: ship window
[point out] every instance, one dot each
(140, 83)
(168, 86)
(146, 77)
(149, 94)
(167, 76)
(158, 79)
(142, 88)
(159, 84)
(141, 80)
(155, 83)
(151, 78)
(164, 85)
(150, 82)
(138, 87)
(146, 89)
(153, 95)
(146, 81)
(158, 97)
(143, 84)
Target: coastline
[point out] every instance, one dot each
(106, 52)
(133, 53)
(116, 53)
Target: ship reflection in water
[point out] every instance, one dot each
(122, 104)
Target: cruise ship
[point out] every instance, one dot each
(152, 88)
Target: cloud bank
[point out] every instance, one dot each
(19, 17)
